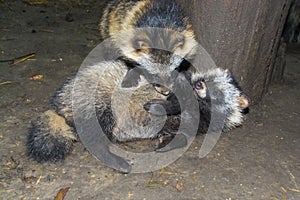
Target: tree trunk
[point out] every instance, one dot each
(242, 36)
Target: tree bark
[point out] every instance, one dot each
(241, 35)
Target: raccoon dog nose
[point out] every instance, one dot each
(162, 89)
(243, 101)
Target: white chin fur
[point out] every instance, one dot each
(235, 119)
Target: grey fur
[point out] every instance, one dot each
(51, 137)
(219, 93)
(104, 81)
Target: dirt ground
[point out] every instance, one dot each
(259, 160)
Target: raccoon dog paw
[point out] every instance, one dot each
(171, 142)
(155, 108)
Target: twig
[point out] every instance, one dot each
(6, 82)
(17, 60)
(39, 179)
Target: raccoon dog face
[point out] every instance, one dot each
(158, 54)
(152, 36)
(221, 88)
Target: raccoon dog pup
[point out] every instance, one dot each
(217, 93)
(51, 135)
(154, 36)
(120, 112)
(223, 96)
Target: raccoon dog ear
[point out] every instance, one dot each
(228, 72)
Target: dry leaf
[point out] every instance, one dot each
(179, 186)
(62, 193)
(130, 195)
(37, 77)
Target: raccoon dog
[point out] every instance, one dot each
(219, 97)
(120, 112)
(51, 135)
(154, 36)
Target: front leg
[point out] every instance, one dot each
(180, 138)
(170, 141)
(131, 78)
(162, 107)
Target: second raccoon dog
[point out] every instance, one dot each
(217, 93)
(153, 36)
(120, 112)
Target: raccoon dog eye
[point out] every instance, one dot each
(140, 44)
(178, 43)
(155, 85)
(198, 85)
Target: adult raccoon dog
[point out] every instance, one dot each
(153, 36)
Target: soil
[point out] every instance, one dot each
(259, 160)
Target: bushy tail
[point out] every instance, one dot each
(50, 138)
